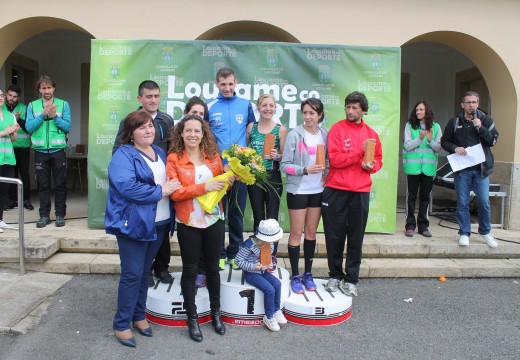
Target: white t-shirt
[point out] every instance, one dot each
(198, 217)
(159, 174)
(311, 184)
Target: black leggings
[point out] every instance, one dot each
(193, 242)
(265, 203)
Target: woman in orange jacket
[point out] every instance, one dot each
(194, 160)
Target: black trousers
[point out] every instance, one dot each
(265, 203)
(162, 259)
(192, 242)
(5, 171)
(421, 184)
(23, 157)
(345, 215)
(45, 164)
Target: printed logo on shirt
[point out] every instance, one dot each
(216, 119)
(348, 144)
(239, 118)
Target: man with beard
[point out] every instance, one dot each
(22, 148)
(344, 202)
(48, 121)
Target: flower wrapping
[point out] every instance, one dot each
(209, 200)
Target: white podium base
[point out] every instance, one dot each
(165, 304)
(318, 308)
(243, 305)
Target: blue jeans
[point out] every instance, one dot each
(136, 260)
(234, 206)
(270, 286)
(465, 181)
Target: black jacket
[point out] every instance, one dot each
(455, 135)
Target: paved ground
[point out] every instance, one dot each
(458, 319)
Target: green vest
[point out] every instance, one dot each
(23, 139)
(422, 159)
(48, 135)
(6, 146)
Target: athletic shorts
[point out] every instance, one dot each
(303, 201)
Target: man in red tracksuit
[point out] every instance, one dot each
(344, 205)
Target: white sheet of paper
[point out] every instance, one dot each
(474, 156)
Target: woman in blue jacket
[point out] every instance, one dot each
(137, 213)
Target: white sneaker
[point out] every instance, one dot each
(490, 240)
(3, 225)
(464, 240)
(272, 324)
(332, 285)
(348, 288)
(1, 231)
(280, 318)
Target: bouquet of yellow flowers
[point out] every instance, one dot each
(243, 162)
(246, 164)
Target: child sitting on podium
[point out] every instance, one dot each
(254, 257)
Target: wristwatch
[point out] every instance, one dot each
(305, 171)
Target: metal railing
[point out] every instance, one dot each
(19, 183)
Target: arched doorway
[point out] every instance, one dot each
(439, 67)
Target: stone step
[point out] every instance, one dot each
(40, 247)
(36, 250)
(86, 263)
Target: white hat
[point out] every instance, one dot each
(269, 230)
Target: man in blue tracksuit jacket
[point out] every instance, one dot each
(229, 116)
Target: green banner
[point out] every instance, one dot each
(291, 72)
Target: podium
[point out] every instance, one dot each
(165, 303)
(318, 308)
(242, 304)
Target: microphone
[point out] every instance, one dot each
(474, 117)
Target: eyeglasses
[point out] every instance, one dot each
(470, 102)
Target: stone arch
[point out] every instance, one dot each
(19, 31)
(248, 30)
(497, 77)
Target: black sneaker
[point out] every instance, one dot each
(27, 205)
(43, 222)
(11, 205)
(60, 221)
(165, 277)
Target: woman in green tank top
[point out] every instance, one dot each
(265, 202)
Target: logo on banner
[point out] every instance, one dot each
(324, 73)
(374, 107)
(113, 113)
(375, 61)
(216, 67)
(239, 118)
(167, 54)
(272, 57)
(115, 70)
